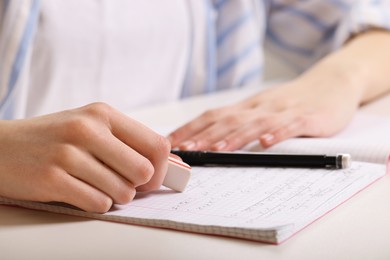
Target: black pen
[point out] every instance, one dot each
(204, 158)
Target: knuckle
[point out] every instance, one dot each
(65, 154)
(98, 109)
(77, 128)
(85, 124)
(266, 121)
(210, 114)
(51, 176)
(231, 120)
(162, 146)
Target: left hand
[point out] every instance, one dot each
(316, 104)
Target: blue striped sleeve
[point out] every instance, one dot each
(364, 15)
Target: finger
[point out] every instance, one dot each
(293, 128)
(185, 132)
(124, 160)
(147, 143)
(258, 128)
(73, 191)
(237, 139)
(196, 126)
(247, 133)
(123, 144)
(87, 168)
(206, 138)
(218, 130)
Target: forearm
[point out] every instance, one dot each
(361, 65)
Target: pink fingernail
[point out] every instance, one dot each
(187, 145)
(268, 138)
(220, 145)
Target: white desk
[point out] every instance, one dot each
(358, 229)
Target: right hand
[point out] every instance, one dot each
(90, 157)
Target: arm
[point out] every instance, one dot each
(364, 62)
(318, 103)
(89, 157)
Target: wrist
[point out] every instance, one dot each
(363, 63)
(336, 75)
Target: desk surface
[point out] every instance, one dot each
(358, 229)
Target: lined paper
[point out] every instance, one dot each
(255, 197)
(263, 204)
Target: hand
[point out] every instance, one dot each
(90, 157)
(316, 104)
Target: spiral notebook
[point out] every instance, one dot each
(261, 204)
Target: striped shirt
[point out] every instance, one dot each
(227, 53)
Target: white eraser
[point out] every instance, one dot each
(345, 160)
(178, 175)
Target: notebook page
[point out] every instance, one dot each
(254, 198)
(264, 204)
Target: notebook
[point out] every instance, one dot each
(261, 204)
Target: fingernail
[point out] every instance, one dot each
(187, 145)
(267, 138)
(220, 145)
